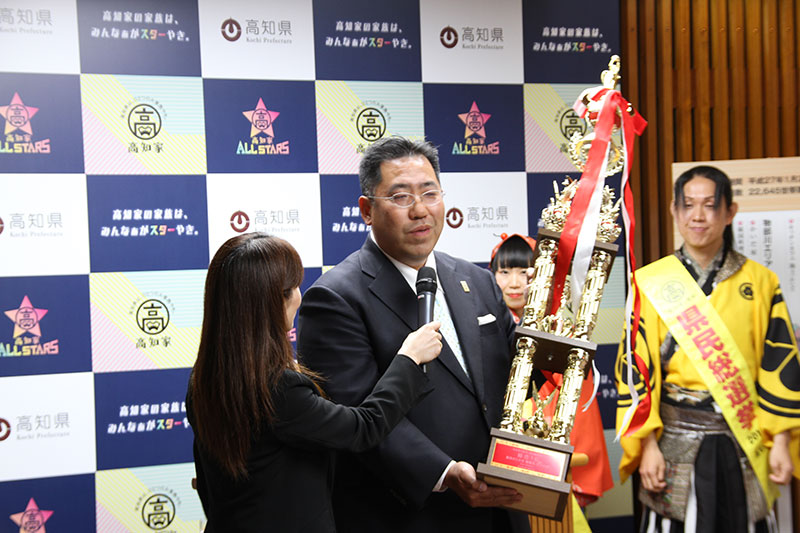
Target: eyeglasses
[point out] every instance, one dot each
(407, 199)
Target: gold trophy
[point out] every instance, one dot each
(533, 457)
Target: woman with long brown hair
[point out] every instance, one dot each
(264, 437)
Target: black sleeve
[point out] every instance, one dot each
(305, 418)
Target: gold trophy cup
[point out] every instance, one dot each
(534, 457)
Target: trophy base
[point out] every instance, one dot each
(536, 468)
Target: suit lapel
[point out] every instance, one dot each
(391, 288)
(464, 313)
(388, 285)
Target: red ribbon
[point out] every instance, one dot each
(632, 125)
(643, 409)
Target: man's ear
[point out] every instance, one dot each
(365, 206)
(732, 210)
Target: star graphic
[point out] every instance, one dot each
(475, 121)
(18, 115)
(26, 318)
(32, 519)
(261, 119)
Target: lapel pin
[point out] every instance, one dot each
(464, 286)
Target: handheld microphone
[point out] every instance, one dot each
(426, 294)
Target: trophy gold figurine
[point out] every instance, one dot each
(532, 456)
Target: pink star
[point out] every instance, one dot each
(261, 119)
(475, 121)
(17, 115)
(32, 519)
(26, 318)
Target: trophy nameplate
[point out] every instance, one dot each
(536, 468)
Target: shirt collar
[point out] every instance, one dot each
(701, 272)
(409, 273)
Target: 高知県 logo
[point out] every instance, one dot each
(231, 30)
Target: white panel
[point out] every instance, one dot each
(39, 36)
(471, 41)
(772, 238)
(479, 207)
(43, 225)
(286, 205)
(48, 424)
(257, 40)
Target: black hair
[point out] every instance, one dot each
(722, 191)
(389, 149)
(515, 252)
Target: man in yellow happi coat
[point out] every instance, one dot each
(722, 360)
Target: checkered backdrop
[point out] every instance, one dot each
(140, 135)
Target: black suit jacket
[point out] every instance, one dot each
(290, 472)
(352, 321)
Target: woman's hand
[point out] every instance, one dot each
(780, 461)
(424, 344)
(653, 466)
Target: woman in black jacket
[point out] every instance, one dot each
(264, 435)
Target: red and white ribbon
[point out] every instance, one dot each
(580, 229)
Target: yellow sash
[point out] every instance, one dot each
(696, 326)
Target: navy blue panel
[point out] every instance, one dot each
(44, 327)
(141, 418)
(56, 503)
(569, 42)
(476, 127)
(157, 37)
(343, 229)
(366, 40)
(41, 119)
(147, 223)
(260, 126)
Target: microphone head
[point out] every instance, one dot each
(426, 280)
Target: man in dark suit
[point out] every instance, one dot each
(421, 478)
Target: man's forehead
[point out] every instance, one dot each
(412, 161)
(699, 196)
(408, 182)
(408, 172)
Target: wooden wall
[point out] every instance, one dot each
(715, 79)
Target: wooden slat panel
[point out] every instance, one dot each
(631, 90)
(788, 112)
(772, 95)
(651, 140)
(719, 65)
(755, 79)
(682, 39)
(738, 68)
(701, 52)
(726, 73)
(666, 154)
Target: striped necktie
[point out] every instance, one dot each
(448, 330)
